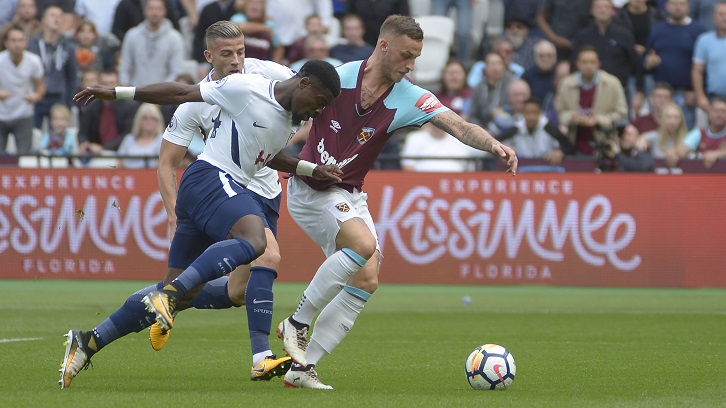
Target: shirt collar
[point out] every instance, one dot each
(595, 80)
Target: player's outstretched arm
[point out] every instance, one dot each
(476, 137)
(285, 162)
(164, 93)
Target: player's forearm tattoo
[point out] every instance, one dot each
(468, 133)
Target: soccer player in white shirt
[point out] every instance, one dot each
(258, 117)
(226, 52)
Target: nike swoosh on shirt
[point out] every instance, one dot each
(255, 301)
(258, 126)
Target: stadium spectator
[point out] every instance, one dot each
(103, 124)
(669, 53)
(516, 30)
(527, 11)
(144, 139)
(59, 140)
(589, 103)
(26, 17)
(536, 137)
(615, 46)
(623, 155)
(99, 12)
(290, 17)
(661, 95)
(639, 17)
(93, 50)
(216, 10)
(702, 12)
(22, 85)
(153, 50)
(541, 76)
(67, 19)
(670, 133)
(708, 60)
(59, 63)
(354, 48)
(708, 143)
(430, 149)
(313, 26)
(374, 13)
(130, 13)
(462, 30)
(262, 40)
(561, 20)
(491, 94)
(518, 93)
(504, 48)
(455, 94)
(7, 11)
(316, 48)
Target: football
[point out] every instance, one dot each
(490, 367)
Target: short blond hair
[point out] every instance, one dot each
(222, 29)
(396, 26)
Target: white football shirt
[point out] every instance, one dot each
(192, 116)
(252, 127)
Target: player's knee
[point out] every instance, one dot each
(364, 282)
(363, 247)
(270, 259)
(258, 243)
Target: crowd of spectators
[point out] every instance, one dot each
(625, 84)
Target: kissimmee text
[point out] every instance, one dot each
(486, 235)
(81, 233)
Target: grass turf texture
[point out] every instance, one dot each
(574, 347)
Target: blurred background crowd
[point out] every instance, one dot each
(627, 85)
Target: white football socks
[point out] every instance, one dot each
(327, 282)
(334, 323)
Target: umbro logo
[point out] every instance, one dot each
(335, 125)
(258, 126)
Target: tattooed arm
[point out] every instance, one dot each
(476, 137)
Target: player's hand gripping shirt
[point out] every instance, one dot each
(352, 137)
(191, 117)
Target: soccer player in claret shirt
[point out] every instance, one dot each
(376, 99)
(219, 223)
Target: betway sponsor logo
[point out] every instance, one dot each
(424, 227)
(63, 226)
(327, 158)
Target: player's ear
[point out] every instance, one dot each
(208, 56)
(304, 82)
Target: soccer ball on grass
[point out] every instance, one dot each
(490, 367)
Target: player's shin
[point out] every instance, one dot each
(327, 282)
(214, 295)
(259, 304)
(130, 317)
(335, 321)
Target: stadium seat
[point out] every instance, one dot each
(419, 7)
(438, 37)
(34, 162)
(479, 22)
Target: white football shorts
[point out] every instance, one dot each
(318, 212)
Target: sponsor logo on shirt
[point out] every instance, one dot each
(365, 134)
(342, 207)
(335, 126)
(428, 103)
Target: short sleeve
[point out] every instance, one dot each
(184, 124)
(693, 139)
(229, 93)
(700, 51)
(414, 106)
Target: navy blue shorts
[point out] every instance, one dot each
(208, 204)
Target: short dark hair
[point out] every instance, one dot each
(533, 101)
(397, 26)
(587, 48)
(663, 85)
(323, 74)
(12, 27)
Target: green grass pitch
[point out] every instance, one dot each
(574, 347)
